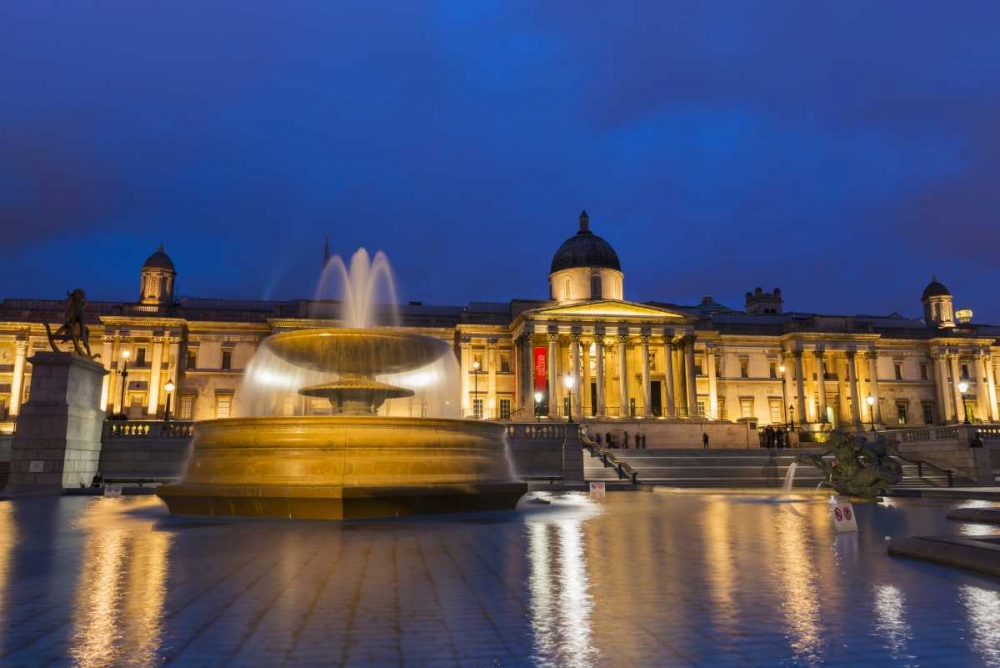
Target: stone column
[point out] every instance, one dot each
(17, 385)
(713, 385)
(689, 377)
(153, 406)
(821, 384)
(800, 388)
(873, 375)
(647, 392)
(991, 386)
(959, 400)
(528, 377)
(602, 410)
(585, 397)
(623, 376)
(852, 376)
(491, 378)
(668, 358)
(553, 339)
(58, 439)
(116, 398)
(943, 393)
(574, 351)
(466, 366)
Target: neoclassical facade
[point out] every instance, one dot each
(585, 350)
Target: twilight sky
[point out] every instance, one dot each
(840, 151)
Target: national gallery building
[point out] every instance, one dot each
(627, 361)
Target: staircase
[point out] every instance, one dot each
(733, 469)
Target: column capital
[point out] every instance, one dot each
(575, 337)
(491, 342)
(552, 337)
(21, 345)
(622, 339)
(797, 354)
(818, 353)
(644, 339)
(872, 353)
(851, 353)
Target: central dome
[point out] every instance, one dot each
(585, 249)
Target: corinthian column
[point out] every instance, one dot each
(873, 374)
(647, 394)
(713, 385)
(553, 339)
(466, 365)
(668, 357)
(574, 351)
(959, 399)
(17, 385)
(689, 377)
(599, 352)
(153, 399)
(991, 386)
(852, 376)
(800, 387)
(821, 384)
(623, 375)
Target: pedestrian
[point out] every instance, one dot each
(779, 438)
(977, 442)
(769, 437)
(625, 440)
(704, 440)
(597, 438)
(607, 439)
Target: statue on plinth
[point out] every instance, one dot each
(860, 468)
(74, 330)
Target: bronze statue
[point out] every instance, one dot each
(75, 328)
(859, 467)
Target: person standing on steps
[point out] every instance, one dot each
(704, 440)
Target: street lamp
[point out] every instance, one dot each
(784, 409)
(871, 409)
(538, 400)
(963, 387)
(569, 395)
(475, 395)
(169, 387)
(123, 372)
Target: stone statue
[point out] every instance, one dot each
(75, 328)
(860, 468)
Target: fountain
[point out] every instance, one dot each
(354, 463)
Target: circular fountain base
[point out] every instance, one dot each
(344, 467)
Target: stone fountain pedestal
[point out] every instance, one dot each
(57, 444)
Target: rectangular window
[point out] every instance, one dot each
(744, 368)
(699, 365)
(722, 408)
(505, 409)
(223, 405)
(192, 359)
(965, 372)
(227, 360)
(185, 407)
(652, 361)
(140, 356)
(772, 370)
(504, 362)
(775, 406)
(746, 407)
(928, 412)
(898, 368)
(477, 409)
(701, 408)
(923, 372)
(901, 412)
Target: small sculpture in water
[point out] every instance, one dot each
(75, 328)
(860, 468)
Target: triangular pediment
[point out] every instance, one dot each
(610, 308)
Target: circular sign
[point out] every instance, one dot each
(847, 513)
(839, 515)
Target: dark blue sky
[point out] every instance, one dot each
(840, 151)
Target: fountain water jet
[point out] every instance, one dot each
(354, 463)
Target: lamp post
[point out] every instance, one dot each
(784, 408)
(123, 372)
(538, 400)
(475, 395)
(791, 417)
(169, 387)
(569, 395)
(963, 387)
(871, 409)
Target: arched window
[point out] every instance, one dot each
(937, 312)
(595, 286)
(567, 294)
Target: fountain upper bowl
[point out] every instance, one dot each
(365, 352)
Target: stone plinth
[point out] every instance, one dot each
(58, 439)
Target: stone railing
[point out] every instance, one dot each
(536, 431)
(955, 432)
(148, 429)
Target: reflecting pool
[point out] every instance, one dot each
(634, 579)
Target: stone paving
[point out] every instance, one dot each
(638, 579)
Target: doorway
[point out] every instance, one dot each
(655, 398)
(593, 399)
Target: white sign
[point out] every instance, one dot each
(843, 516)
(597, 489)
(36, 466)
(113, 490)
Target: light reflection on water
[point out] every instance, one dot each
(121, 589)
(638, 579)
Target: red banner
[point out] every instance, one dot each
(541, 369)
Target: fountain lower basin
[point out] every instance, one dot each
(344, 467)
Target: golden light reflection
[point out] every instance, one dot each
(561, 603)
(719, 561)
(982, 608)
(890, 604)
(8, 538)
(121, 589)
(798, 575)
